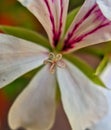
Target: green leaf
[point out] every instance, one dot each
(85, 68)
(102, 65)
(70, 17)
(13, 89)
(26, 34)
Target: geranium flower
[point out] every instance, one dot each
(105, 123)
(83, 103)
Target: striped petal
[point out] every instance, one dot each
(35, 107)
(83, 102)
(105, 123)
(89, 27)
(17, 57)
(51, 14)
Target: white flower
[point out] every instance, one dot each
(83, 103)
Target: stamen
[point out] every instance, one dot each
(55, 60)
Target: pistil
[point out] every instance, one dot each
(54, 60)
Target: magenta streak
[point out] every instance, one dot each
(51, 19)
(56, 34)
(57, 37)
(74, 41)
(79, 23)
(99, 16)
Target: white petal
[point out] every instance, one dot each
(106, 75)
(51, 14)
(105, 6)
(89, 27)
(105, 123)
(83, 103)
(35, 107)
(17, 57)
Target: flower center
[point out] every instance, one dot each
(54, 60)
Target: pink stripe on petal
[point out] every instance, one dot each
(51, 19)
(57, 31)
(70, 34)
(60, 21)
(105, 6)
(51, 14)
(56, 26)
(89, 24)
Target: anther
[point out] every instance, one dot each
(54, 60)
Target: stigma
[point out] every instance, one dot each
(54, 60)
